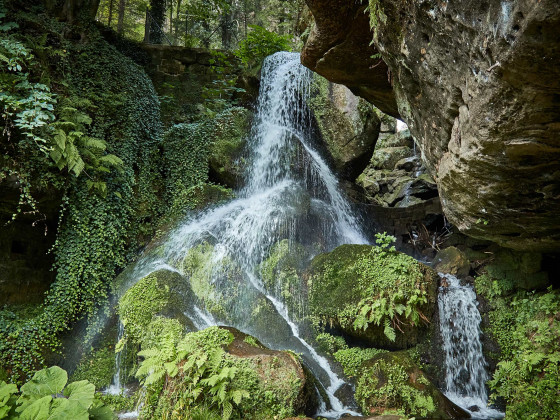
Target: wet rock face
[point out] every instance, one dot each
(478, 84)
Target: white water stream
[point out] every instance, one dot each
(466, 368)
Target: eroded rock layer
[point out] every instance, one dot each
(479, 86)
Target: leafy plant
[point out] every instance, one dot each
(203, 368)
(259, 44)
(526, 325)
(220, 95)
(390, 305)
(48, 396)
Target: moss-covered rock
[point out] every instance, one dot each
(373, 293)
(387, 157)
(452, 260)
(393, 383)
(268, 384)
(227, 144)
(162, 293)
(281, 272)
(348, 126)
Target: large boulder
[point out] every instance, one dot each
(259, 383)
(373, 293)
(348, 125)
(393, 382)
(478, 85)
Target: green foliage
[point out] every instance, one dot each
(330, 344)
(98, 368)
(251, 341)
(194, 376)
(352, 359)
(47, 396)
(186, 178)
(396, 291)
(203, 373)
(108, 108)
(394, 392)
(220, 95)
(526, 326)
(259, 44)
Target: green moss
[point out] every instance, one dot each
(140, 304)
(281, 271)
(352, 359)
(202, 270)
(386, 384)
(358, 286)
(98, 368)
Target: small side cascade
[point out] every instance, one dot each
(116, 387)
(466, 369)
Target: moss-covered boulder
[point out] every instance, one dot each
(228, 141)
(373, 293)
(452, 260)
(258, 383)
(281, 272)
(161, 294)
(348, 126)
(392, 383)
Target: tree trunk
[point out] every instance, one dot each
(171, 17)
(73, 11)
(147, 26)
(111, 2)
(120, 23)
(177, 19)
(226, 22)
(157, 10)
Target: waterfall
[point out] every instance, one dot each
(289, 194)
(466, 369)
(116, 388)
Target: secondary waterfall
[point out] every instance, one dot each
(466, 369)
(290, 197)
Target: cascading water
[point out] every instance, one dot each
(116, 388)
(466, 373)
(290, 195)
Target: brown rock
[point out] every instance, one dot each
(338, 49)
(452, 261)
(482, 102)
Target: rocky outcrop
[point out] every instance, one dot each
(395, 176)
(338, 48)
(478, 85)
(348, 126)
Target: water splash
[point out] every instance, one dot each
(466, 368)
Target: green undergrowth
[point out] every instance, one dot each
(193, 374)
(106, 114)
(526, 325)
(384, 387)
